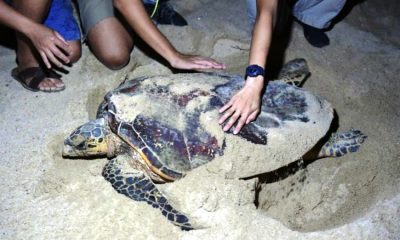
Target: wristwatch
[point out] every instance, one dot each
(254, 71)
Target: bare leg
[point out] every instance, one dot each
(26, 54)
(76, 50)
(110, 43)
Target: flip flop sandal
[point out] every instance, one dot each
(37, 74)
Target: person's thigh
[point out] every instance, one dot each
(110, 42)
(317, 13)
(107, 38)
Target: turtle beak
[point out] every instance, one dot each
(69, 150)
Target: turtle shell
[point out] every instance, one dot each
(172, 121)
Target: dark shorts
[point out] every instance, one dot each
(94, 11)
(61, 19)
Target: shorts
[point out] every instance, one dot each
(94, 11)
(61, 19)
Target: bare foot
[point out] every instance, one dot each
(37, 79)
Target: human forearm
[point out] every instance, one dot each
(244, 106)
(137, 17)
(262, 32)
(15, 20)
(261, 40)
(50, 45)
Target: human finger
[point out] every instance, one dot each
(226, 106)
(251, 117)
(61, 38)
(210, 63)
(231, 121)
(240, 123)
(53, 59)
(62, 44)
(45, 60)
(226, 115)
(228, 109)
(59, 54)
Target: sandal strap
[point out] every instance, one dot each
(52, 74)
(36, 73)
(28, 72)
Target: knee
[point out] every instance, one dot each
(76, 51)
(115, 60)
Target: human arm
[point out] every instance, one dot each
(51, 46)
(244, 106)
(137, 17)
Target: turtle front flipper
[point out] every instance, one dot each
(294, 72)
(342, 143)
(136, 185)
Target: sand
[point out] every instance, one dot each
(354, 197)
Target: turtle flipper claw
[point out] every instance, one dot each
(342, 143)
(137, 186)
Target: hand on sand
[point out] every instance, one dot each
(189, 62)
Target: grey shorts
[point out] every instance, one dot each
(93, 12)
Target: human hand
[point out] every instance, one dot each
(244, 106)
(187, 62)
(51, 45)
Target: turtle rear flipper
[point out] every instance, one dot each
(139, 187)
(342, 143)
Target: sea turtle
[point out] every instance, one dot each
(160, 129)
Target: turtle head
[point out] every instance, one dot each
(89, 140)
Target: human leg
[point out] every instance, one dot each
(108, 39)
(110, 43)
(38, 77)
(317, 13)
(26, 53)
(61, 19)
(315, 16)
(76, 50)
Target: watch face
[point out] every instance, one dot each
(254, 70)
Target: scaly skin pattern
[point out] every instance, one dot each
(294, 72)
(342, 143)
(137, 186)
(90, 139)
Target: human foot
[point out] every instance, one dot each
(165, 14)
(36, 79)
(316, 37)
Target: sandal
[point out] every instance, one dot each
(37, 75)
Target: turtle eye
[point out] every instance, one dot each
(81, 146)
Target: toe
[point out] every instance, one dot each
(51, 84)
